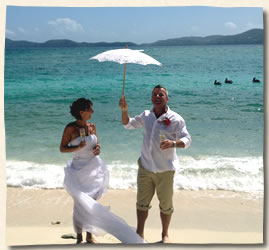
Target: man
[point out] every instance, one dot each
(164, 131)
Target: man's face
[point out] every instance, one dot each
(159, 97)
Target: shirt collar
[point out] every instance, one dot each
(163, 115)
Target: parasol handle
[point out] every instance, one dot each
(124, 74)
(124, 80)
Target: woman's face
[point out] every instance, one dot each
(86, 114)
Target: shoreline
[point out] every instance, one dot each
(42, 216)
(245, 175)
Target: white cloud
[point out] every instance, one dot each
(230, 25)
(22, 30)
(10, 32)
(66, 25)
(251, 25)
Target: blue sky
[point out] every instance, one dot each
(127, 24)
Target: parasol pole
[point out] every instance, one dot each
(124, 79)
(124, 74)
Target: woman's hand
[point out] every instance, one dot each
(91, 128)
(68, 136)
(96, 149)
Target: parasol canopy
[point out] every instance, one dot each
(124, 56)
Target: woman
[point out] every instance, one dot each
(86, 179)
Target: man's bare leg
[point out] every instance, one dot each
(141, 219)
(165, 218)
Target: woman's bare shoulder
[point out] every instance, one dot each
(71, 127)
(71, 124)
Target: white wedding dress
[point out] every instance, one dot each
(86, 179)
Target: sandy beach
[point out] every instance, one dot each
(42, 217)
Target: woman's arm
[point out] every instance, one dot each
(66, 138)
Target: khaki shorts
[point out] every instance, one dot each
(148, 182)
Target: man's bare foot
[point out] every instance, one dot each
(79, 238)
(165, 239)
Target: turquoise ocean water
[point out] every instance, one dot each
(225, 122)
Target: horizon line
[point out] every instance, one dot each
(131, 42)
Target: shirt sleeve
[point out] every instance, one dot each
(135, 122)
(184, 134)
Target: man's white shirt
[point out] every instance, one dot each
(153, 158)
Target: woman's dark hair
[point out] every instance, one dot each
(80, 104)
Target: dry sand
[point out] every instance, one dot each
(200, 217)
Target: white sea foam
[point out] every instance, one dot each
(235, 174)
(35, 175)
(206, 173)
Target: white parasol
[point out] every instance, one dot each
(124, 56)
